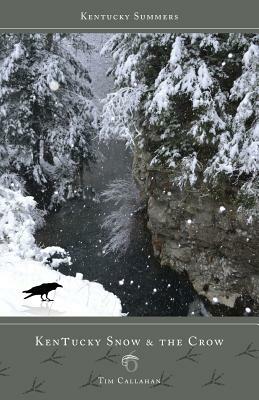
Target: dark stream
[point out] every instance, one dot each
(136, 277)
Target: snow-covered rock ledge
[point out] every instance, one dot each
(23, 265)
(78, 297)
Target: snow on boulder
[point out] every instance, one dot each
(78, 297)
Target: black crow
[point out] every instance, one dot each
(40, 290)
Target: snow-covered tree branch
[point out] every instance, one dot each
(125, 196)
(47, 118)
(192, 101)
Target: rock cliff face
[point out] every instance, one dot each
(202, 232)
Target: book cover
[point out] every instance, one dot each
(129, 222)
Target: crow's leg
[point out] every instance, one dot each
(42, 298)
(48, 298)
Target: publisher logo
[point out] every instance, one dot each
(130, 362)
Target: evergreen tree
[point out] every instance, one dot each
(47, 118)
(191, 101)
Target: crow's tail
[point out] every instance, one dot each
(30, 295)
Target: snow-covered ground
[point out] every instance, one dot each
(78, 297)
(23, 264)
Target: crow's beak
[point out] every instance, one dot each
(60, 286)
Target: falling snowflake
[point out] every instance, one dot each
(215, 300)
(121, 283)
(250, 219)
(222, 209)
(189, 221)
(54, 85)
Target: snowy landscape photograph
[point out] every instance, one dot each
(129, 174)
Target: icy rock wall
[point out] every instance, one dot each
(201, 232)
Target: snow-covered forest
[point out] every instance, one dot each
(195, 97)
(48, 122)
(154, 139)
